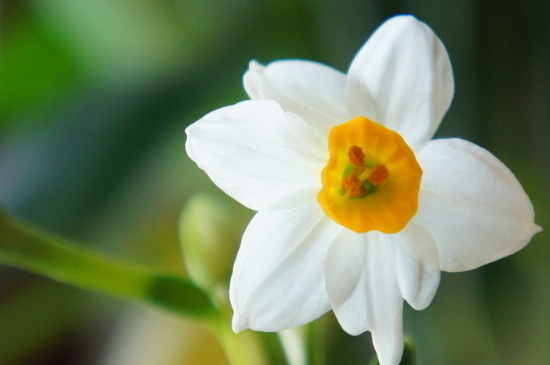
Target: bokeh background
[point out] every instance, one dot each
(94, 98)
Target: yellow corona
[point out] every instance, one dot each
(372, 179)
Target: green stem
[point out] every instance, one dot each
(29, 249)
(316, 337)
(240, 348)
(247, 347)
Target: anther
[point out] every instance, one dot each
(353, 187)
(379, 175)
(356, 156)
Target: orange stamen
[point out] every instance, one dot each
(379, 175)
(354, 187)
(356, 156)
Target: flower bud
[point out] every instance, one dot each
(210, 231)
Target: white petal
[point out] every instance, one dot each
(417, 265)
(257, 154)
(345, 282)
(406, 69)
(311, 90)
(363, 290)
(278, 280)
(472, 205)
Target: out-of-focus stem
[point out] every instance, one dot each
(35, 251)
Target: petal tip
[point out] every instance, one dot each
(389, 351)
(354, 331)
(188, 146)
(405, 19)
(252, 80)
(255, 66)
(536, 229)
(239, 323)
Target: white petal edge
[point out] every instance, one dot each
(405, 68)
(313, 91)
(472, 205)
(345, 282)
(363, 290)
(278, 280)
(417, 265)
(259, 155)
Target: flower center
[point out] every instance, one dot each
(372, 179)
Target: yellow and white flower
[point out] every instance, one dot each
(358, 208)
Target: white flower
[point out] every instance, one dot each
(357, 208)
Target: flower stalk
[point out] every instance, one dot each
(240, 349)
(32, 250)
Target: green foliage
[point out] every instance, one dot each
(61, 260)
(36, 71)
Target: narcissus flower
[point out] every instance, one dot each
(357, 207)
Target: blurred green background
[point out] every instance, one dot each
(94, 98)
